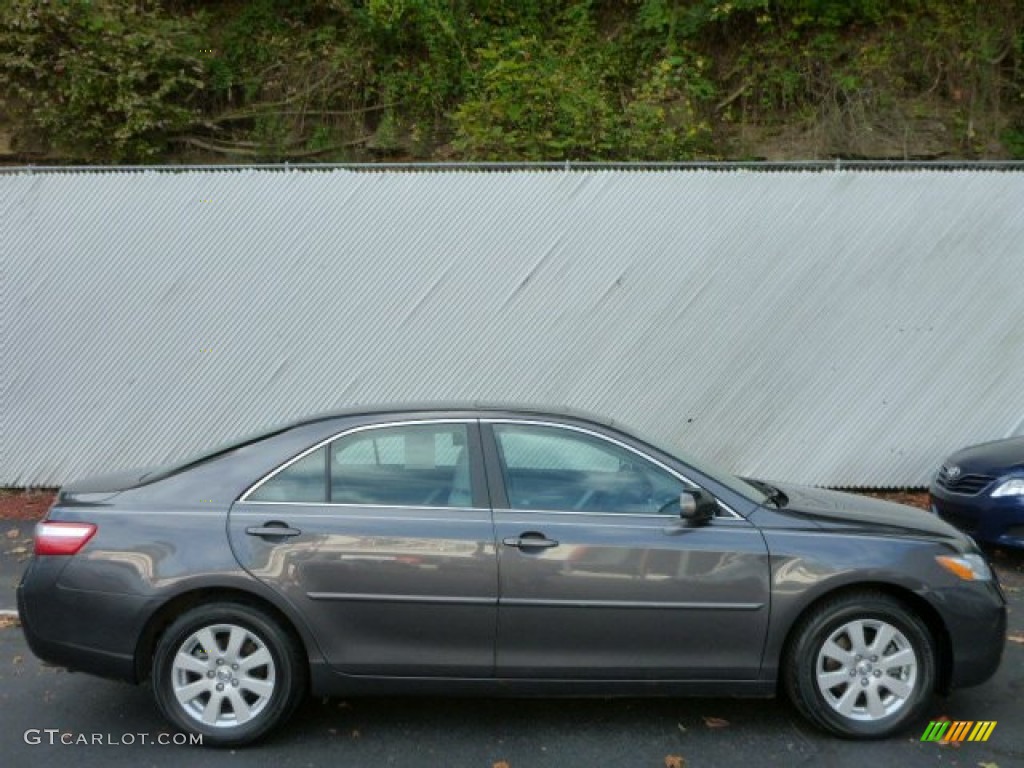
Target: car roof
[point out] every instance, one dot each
(481, 407)
(516, 410)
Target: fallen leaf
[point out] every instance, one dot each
(715, 722)
(947, 742)
(13, 533)
(674, 761)
(1015, 637)
(17, 660)
(988, 765)
(681, 727)
(9, 620)
(501, 764)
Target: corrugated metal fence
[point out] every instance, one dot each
(844, 328)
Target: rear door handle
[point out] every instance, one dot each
(272, 530)
(530, 541)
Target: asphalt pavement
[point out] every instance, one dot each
(49, 717)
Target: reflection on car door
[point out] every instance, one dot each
(600, 579)
(383, 539)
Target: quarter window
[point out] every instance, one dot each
(411, 465)
(550, 468)
(303, 481)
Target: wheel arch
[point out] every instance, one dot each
(165, 615)
(909, 598)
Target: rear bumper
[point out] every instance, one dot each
(83, 631)
(975, 616)
(997, 522)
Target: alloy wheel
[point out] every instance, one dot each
(866, 670)
(223, 675)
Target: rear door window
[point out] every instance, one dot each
(419, 465)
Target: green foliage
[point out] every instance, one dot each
(1013, 138)
(662, 120)
(535, 102)
(145, 80)
(564, 99)
(421, 60)
(104, 79)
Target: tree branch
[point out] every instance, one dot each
(731, 97)
(238, 116)
(251, 149)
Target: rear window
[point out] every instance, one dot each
(200, 458)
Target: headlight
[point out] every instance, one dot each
(967, 567)
(1014, 487)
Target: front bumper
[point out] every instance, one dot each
(992, 521)
(975, 617)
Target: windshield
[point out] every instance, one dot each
(716, 473)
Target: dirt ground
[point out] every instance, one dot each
(910, 498)
(24, 505)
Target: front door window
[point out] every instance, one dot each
(561, 470)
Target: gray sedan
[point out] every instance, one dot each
(489, 551)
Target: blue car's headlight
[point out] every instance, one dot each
(1011, 487)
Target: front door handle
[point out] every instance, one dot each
(273, 529)
(530, 540)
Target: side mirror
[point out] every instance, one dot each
(697, 507)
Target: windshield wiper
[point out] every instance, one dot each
(773, 494)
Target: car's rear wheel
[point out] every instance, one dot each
(861, 665)
(227, 671)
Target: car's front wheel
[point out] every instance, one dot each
(227, 671)
(861, 665)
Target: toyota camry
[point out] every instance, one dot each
(488, 551)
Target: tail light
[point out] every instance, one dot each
(62, 538)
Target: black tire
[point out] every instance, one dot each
(284, 675)
(806, 658)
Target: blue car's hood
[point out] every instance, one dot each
(995, 458)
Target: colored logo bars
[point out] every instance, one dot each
(958, 730)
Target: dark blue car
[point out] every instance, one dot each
(980, 490)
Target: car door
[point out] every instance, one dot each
(382, 537)
(598, 576)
